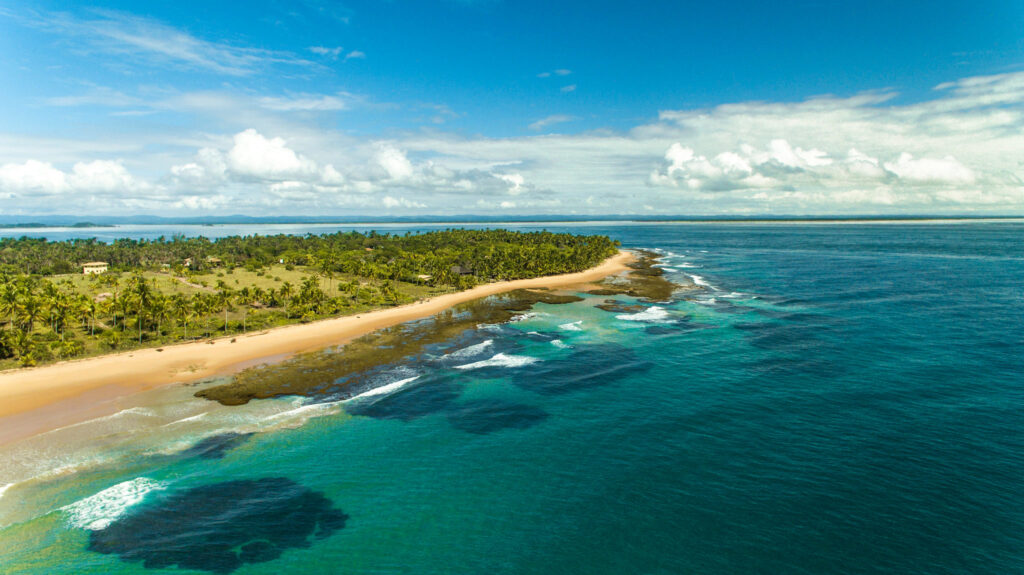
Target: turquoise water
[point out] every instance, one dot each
(833, 399)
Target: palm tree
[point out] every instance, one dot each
(30, 311)
(286, 291)
(9, 295)
(142, 295)
(182, 309)
(224, 299)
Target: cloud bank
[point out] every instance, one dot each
(955, 152)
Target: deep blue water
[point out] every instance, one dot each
(834, 399)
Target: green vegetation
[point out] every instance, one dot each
(163, 291)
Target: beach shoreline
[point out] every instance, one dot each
(34, 400)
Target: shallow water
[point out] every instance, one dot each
(835, 399)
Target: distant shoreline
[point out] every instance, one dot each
(471, 220)
(26, 394)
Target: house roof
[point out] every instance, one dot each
(93, 264)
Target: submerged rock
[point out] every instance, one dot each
(408, 403)
(487, 416)
(643, 280)
(217, 446)
(222, 526)
(331, 371)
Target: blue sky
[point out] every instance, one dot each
(491, 107)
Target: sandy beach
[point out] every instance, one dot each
(35, 399)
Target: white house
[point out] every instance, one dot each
(94, 267)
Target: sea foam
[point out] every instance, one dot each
(98, 511)
(5, 488)
(470, 351)
(699, 280)
(653, 314)
(572, 326)
(391, 386)
(500, 360)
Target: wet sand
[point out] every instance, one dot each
(72, 391)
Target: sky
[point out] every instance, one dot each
(495, 107)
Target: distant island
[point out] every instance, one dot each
(81, 297)
(31, 225)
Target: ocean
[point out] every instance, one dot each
(831, 398)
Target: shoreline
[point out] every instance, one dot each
(38, 399)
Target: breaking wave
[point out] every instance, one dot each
(653, 314)
(100, 510)
(500, 360)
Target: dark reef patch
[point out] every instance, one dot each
(330, 372)
(676, 328)
(616, 306)
(790, 338)
(407, 403)
(590, 366)
(216, 446)
(222, 526)
(487, 416)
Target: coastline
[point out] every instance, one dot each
(62, 393)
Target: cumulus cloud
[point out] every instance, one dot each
(42, 178)
(266, 158)
(956, 152)
(394, 162)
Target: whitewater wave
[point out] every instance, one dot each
(5, 488)
(560, 344)
(145, 412)
(735, 295)
(572, 326)
(500, 360)
(699, 280)
(653, 314)
(391, 386)
(100, 510)
(187, 419)
(304, 412)
(470, 351)
(523, 316)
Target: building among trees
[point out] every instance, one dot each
(94, 268)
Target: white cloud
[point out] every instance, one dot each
(34, 177)
(306, 103)
(569, 88)
(390, 202)
(945, 170)
(558, 72)
(515, 183)
(956, 152)
(98, 176)
(133, 38)
(266, 158)
(394, 162)
(550, 121)
(325, 51)
(356, 55)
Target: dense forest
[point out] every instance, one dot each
(166, 290)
